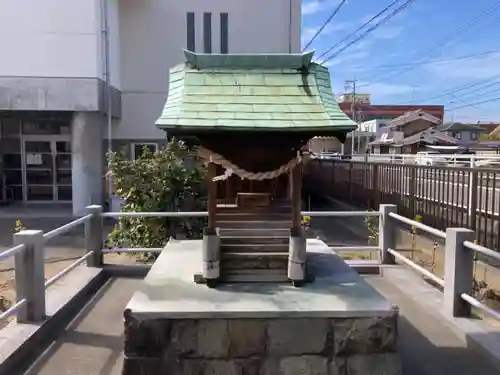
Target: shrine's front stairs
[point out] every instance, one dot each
(254, 243)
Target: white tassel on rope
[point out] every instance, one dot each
(228, 173)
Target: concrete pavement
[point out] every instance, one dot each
(92, 344)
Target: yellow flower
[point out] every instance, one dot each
(306, 220)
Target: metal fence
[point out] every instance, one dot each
(450, 160)
(31, 286)
(442, 196)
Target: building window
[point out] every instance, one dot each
(457, 135)
(224, 43)
(190, 32)
(207, 32)
(473, 136)
(138, 149)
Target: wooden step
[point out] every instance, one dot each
(252, 261)
(258, 224)
(249, 232)
(255, 276)
(253, 248)
(237, 240)
(232, 208)
(237, 216)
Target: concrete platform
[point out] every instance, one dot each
(168, 291)
(338, 324)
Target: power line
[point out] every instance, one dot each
(482, 88)
(352, 83)
(436, 61)
(369, 31)
(455, 90)
(358, 29)
(445, 41)
(334, 13)
(476, 103)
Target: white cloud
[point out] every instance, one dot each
(309, 32)
(340, 26)
(383, 31)
(348, 59)
(480, 68)
(380, 89)
(388, 32)
(490, 113)
(314, 6)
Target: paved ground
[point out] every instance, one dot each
(60, 252)
(426, 345)
(92, 344)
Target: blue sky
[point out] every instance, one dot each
(428, 30)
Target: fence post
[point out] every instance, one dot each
(30, 275)
(412, 181)
(350, 181)
(458, 272)
(473, 196)
(94, 235)
(387, 233)
(375, 183)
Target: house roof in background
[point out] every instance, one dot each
(494, 129)
(263, 92)
(387, 136)
(460, 126)
(429, 136)
(391, 109)
(489, 127)
(411, 116)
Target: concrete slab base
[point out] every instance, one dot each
(337, 325)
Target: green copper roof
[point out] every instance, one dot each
(252, 92)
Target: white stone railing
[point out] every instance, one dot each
(28, 251)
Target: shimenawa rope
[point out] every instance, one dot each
(231, 168)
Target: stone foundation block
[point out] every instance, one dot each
(212, 338)
(374, 364)
(246, 337)
(307, 364)
(278, 346)
(297, 336)
(364, 335)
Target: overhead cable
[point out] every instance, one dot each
(370, 30)
(328, 20)
(358, 29)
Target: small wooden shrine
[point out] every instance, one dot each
(251, 116)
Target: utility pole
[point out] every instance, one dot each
(351, 85)
(414, 87)
(452, 102)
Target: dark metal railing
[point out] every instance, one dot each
(442, 196)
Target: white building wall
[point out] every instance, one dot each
(113, 12)
(372, 126)
(153, 34)
(87, 166)
(49, 38)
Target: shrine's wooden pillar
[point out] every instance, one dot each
(211, 242)
(212, 196)
(297, 244)
(296, 196)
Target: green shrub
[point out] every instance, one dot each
(170, 180)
